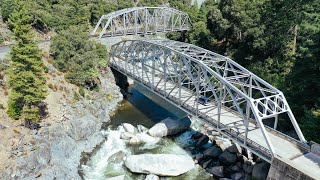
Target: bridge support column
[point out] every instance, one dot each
(281, 170)
(121, 80)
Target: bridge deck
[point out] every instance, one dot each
(231, 123)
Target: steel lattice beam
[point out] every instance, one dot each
(142, 20)
(183, 72)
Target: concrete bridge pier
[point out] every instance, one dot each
(121, 81)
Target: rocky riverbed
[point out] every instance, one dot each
(135, 152)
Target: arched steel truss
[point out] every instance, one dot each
(182, 73)
(142, 20)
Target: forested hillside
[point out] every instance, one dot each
(278, 40)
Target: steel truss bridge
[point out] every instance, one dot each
(239, 102)
(142, 20)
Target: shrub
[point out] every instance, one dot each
(76, 96)
(82, 92)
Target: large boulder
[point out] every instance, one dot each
(235, 148)
(217, 171)
(129, 128)
(227, 158)
(126, 135)
(202, 141)
(260, 171)
(170, 126)
(159, 164)
(213, 152)
(135, 141)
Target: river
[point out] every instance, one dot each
(145, 108)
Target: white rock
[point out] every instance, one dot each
(135, 141)
(126, 135)
(142, 129)
(159, 164)
(129, 128)
(170, 126)
(147, 139)
(152, 177)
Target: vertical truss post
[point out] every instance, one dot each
(172, 21)
(246, 123)
(275, 122)
(146, 21)
(124, 24)
(220, 104)
(197, 84)
(180, 80)
(156, 20)
(136, 22)
(165, 76)
(153, 73)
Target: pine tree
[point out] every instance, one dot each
(26, 77)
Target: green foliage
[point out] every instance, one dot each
(1, 39)
(82, 92)
(311, 125)
(26, 77)
(76, 96)
(6, 7)
(78, 56)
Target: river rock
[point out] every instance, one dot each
(247, 167)
(236, 167)
(152, 177)
(146, 138)
(235, 148)
(237, 176)
(197, 135)
(126, 135)
(213, 152)
(159, 164)
(206, 163)
(117, 157)
(129, 128)
(170, 126)
(202, 141)
(260, 171)
(135, 141)
(217, 171)
(142, 129)
(223, 143)
(227, 158)
(199, 158)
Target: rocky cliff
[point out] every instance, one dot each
(72, 127)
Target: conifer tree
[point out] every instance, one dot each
(26, 75)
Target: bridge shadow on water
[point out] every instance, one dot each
(145, 108)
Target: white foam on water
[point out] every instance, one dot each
(94, 170)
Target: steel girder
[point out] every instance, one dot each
(182, 72)
(142, 20)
